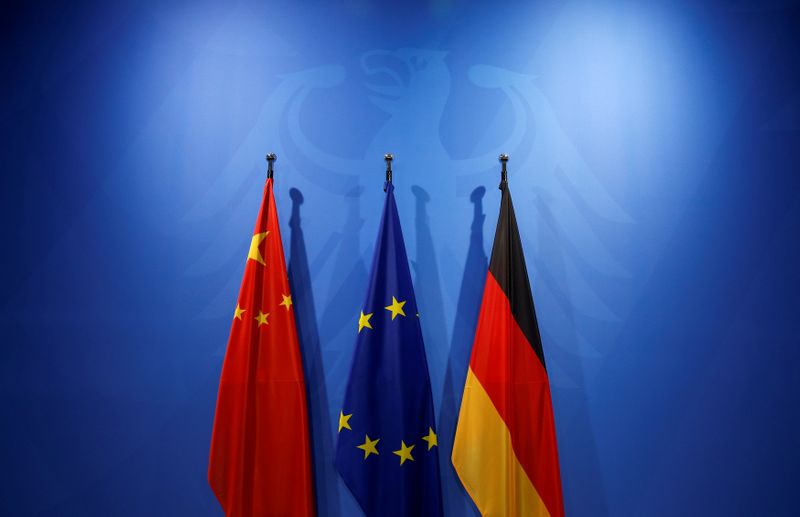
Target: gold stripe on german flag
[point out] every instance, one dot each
(505, 450)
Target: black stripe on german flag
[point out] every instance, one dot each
(505, 450)
(507, 266)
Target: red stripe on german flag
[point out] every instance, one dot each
(505, 449)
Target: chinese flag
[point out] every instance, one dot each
(260, 462)
(505, 446)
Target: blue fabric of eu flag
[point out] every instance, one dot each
(387, 448)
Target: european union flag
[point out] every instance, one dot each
(387, 446)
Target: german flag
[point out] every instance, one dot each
(505, 445)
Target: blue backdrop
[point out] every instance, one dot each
(654, 152)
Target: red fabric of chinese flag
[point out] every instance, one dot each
(260, 460)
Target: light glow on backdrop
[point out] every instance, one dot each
(654, 206)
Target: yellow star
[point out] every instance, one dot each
(262, 318)
(239, 312)
(431, 439)
(344, 421)
(396, 308)
(404, 452)
(369, 446)
(254, 253)
(363, 321)
(287, 301)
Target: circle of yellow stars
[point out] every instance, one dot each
(370, 446)
(396, 308)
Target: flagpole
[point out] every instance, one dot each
(503, 171)
(271, 157)
(388, 157)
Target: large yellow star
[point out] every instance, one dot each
(404, 452)
(396, 308)
(431, 439)
(254, 252)
(363, 321)
(239, 312)
(369, 446)
(262, 318)
(344, 421)
(287, 301)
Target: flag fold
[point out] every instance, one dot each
(387, 443)
(505, 449)
(260, 462)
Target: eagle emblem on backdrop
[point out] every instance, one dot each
(407, 90)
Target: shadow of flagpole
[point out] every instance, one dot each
(325, 477)
(428, 288)
(457, 501)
